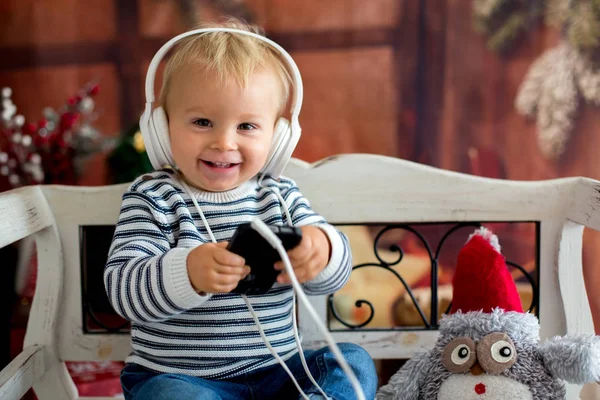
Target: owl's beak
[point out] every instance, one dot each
(476, 369)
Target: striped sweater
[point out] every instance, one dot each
(176, 330)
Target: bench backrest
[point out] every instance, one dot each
(348, 189)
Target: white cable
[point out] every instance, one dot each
(295, 323)
(266, 233)
(191, 194)
(250, 308)
(285, 208)
(299, 345)
(271, 349)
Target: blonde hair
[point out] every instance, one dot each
(227, 55)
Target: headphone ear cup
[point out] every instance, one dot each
(160, 128)
(287, 149)
(281, 136)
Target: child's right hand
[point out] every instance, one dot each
(214, 269)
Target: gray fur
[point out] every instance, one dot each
(404, 384)
(575, 359)
(427, 373)
(521, 327)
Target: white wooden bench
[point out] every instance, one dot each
(354, 189)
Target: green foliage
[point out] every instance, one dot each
(508, 33)
(556, 13)
(485, 12)
(128, 160)
(583, 29)
(504, 21)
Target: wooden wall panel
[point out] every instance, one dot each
(162, 18)
(318, 15)
(478, 98)
(350, 103)
(581, 154)
(44, 22)
(37, 88)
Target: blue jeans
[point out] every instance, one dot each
(262, 384)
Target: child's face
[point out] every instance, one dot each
(221, 134)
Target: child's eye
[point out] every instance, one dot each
(246, 126)
(203, 122)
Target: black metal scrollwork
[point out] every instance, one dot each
(432, 323)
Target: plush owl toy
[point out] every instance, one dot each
(488, 347)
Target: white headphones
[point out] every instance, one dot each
(155, 127)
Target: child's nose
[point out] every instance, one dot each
(225, 141)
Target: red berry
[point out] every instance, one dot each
(31, 127)
(67, 120)
(94, 90)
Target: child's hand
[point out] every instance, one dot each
(309, 258)
(214, 269)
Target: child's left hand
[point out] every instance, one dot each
(309, 258)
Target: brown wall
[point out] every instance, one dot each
(348, 59)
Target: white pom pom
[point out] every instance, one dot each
(87, 105)
(50, 114)
(38, 174)
(8, 109)
(19, 120)
(487, 235)
(6, 92)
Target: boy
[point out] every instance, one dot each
(191, 337)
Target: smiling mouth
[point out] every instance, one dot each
(223, 165)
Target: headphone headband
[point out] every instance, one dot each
(295, 72)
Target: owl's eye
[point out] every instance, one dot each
(497, 353)
(502, 351)
(459, 355)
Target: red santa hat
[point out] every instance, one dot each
(482, 281)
